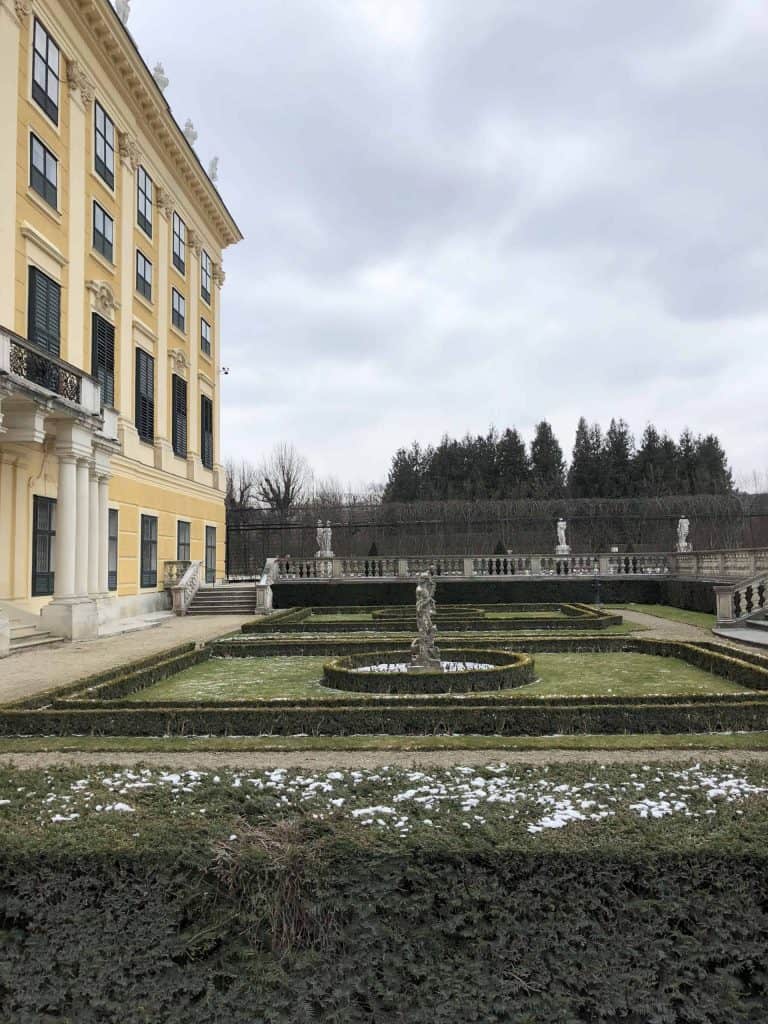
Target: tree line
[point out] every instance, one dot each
(603, 465)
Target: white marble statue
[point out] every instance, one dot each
(320, 536)
(159, 75)
(561, 525)
(189, 132)
(123, 8)
(424, 652)
(327, 538)
(213, 169)
(683, 526)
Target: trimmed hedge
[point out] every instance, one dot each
(298, 922)
(510, 670)
(411, 719)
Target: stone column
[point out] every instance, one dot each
(7, 486)
(94, 536)
(104, 535)
(66, 528)
(83, 528)
(11, 14)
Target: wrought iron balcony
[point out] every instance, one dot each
(20, 358)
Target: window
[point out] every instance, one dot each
(206, 432)
(43, 545)
(179, 244)
(205, 276)
(145, 395)
(105, 145)
(103, 232)
(210, 554)
(143, 275)
(144, 203)
(103, 357)
(149, 551)
(112, 550)
(183, 545)
(43, 171)
(205, 337)
(44, 311)
(178, 310)
(45, 73)
(179, 413)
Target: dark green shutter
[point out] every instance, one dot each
(103, 357)
(206, 431)
(145, 395)
(179, 425)
(44, 311)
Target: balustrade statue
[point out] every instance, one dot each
(683, 545)
(562, 546)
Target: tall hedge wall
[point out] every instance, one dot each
(291, 926)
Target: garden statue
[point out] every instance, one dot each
(424, 652)
(562, 547)
(683, 526)
(323, 537)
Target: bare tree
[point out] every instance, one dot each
(241, 481)
(283, 479)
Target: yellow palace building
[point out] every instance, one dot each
(111, 235)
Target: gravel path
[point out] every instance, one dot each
(40, 669)
(322, 760)
(664, 629)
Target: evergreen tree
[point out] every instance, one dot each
(585, 476)
(685, 464)
(712, 474)
(513, 466)
(547, 465)
(404, 482)
(618, 452)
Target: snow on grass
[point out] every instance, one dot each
(393, 799)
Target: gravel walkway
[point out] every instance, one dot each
(40, 669)
(322, 760)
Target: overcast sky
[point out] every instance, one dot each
(465, 212)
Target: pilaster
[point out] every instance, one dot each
(11, 15)
(218, 472)
(193, 386)
(129, 159)
(81, 92)
(163, 451)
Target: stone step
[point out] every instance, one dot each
(757, 623)
(40, 639)
(19, 630)
(222, 610)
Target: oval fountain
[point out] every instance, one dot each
(424, 669)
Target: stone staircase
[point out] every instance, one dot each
(24, 636)
(226, 600)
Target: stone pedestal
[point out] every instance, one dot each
(684, 549)
(563, 549)
(73, 618)
(324, 554)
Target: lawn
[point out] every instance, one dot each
(572, 674)
(704, 620)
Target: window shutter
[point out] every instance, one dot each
(145, 395)
(103, 357)
(179, 388)
(206, 432)
(44, 311)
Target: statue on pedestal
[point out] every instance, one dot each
(324, 537)
(424, 652)
(562, 546)
(683, 526)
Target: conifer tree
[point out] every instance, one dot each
(547, 465)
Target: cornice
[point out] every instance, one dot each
(120, 54)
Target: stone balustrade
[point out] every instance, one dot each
(740, 601)
(485, 566)
(182, 580)
(737, 564)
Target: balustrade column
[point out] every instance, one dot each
(103, 534)
(82, 532)
(93, 535)
(66, 528)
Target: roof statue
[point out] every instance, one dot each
(189, 132)
(123, 8)
(213, 169)
(159, 75)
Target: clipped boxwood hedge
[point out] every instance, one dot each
(509, 670)
(295, 922)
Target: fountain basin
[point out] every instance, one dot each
(468, 670)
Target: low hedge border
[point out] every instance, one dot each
(402, 720)
(510, 670)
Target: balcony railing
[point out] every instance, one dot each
(20, 358)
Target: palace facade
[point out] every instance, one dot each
(111, 235)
